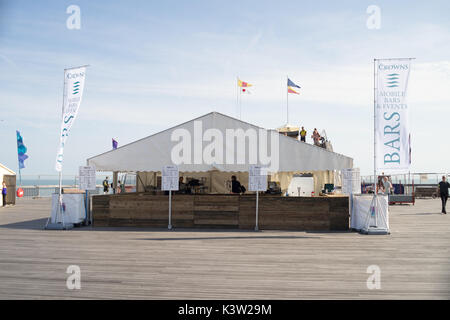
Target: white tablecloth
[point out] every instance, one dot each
(75, 211)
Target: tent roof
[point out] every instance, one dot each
(4, 169)
(155, 151)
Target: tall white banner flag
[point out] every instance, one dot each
(73, 91)
(392, 134)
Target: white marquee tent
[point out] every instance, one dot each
(211, 144)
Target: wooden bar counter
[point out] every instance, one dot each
(221, 211)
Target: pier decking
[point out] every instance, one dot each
(127, 263)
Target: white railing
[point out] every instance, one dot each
(43, 185)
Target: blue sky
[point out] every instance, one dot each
(155, 64)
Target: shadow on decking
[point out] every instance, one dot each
(420, 214)
(37, 224)
(230, 238)
(216, 230)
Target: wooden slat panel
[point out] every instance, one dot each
(216, 218)
(285, 213)
(219, 208)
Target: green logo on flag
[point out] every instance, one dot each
(392, 80)
(76, 86)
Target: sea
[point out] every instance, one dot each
(45, 186)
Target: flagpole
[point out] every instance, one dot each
(237, 96)
(62, 115)
(20, 174)
(60, 171)
(240, 104)
(374, 132)
(18, 160)
(375, 92)
(287, 102)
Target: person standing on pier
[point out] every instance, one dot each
(4, 192)
(303, 135)
(316, 137)
(387, 185)
(106, 186)
(443, 191)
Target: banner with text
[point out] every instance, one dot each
(392, 134)
(73, 91)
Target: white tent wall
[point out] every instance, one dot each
(320, 179)
(145, 179)
(152, 153)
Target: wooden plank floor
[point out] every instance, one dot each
(216, 264)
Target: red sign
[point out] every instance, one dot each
(20, 192)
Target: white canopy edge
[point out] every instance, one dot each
(6, 170)
(152, 153)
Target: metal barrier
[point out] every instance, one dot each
(44, 185)
(47, 191)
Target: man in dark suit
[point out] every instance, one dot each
(443, 192)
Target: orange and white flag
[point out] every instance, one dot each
(243, 84)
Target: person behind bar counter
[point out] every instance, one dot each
(236, 186)
(182, 187)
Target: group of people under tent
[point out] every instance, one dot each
(119, 189)
(236, 186)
